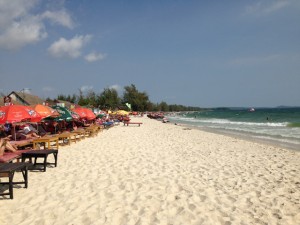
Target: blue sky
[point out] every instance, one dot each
(198, 53)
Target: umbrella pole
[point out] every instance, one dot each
(15, 135)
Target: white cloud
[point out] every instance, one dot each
(20, 27)
(262, 8)
(19, 34)
(60, 17)
(12, 10)
(116, 87)
(92, 57)
(86, 88)
(276, 6)
(69, 48)
(17, 26)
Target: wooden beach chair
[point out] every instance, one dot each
(8, 170)
(129, 123)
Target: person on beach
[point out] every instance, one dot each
(3, 133)
(6, 145)
(165, 120)
(26, 133)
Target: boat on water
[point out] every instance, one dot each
(251, 110)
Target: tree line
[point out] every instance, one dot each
(110, 99)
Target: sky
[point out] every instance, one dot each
(205, 53)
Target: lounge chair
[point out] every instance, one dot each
(43, 154)
(9, 157)
(128, 123)
(8, 170)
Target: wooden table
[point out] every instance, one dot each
(46, 141)
(9, 169)
(80, 132)
(40, 154)
(67, 136)
(127, 123)
(91, 131)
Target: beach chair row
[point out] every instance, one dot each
(29, 159)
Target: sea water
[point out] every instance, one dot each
(278, 126)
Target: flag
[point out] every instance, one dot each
(128, 105)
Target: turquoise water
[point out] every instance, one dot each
(280, 126)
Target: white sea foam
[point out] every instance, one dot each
(271, 131)
(225, 121)
(289, 141)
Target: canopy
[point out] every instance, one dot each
(121, 112)
(46, 111)
(84, 113)
(75, 115)
(18, 113)
(65, 114)
(100, 115)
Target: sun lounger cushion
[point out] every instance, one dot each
(8, 157)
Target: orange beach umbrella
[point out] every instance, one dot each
(46, 111)
(85, 113)
(18, 113)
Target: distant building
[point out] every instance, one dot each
(63, 103)
(20, 98)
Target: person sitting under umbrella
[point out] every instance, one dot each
(6, 145)
(26, 132)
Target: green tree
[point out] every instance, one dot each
(68, 98)
(91, 98)
(82, 100)
(151, 106)
(109, 98)
(164, 107)
(139, 100)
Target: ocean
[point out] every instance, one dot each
(276, 126)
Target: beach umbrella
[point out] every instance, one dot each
(80, 112)
(46, 111)
(65, 114)
(75, 115)
(122, 112)
(84, 113)
(18, 113)
(100, 115)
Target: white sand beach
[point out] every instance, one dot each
(161, 174)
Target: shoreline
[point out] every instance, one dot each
(244, 136)
(161, 174)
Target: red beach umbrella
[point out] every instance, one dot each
(18, 113)
(46, 111)
(75, 115)
(85, 113)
